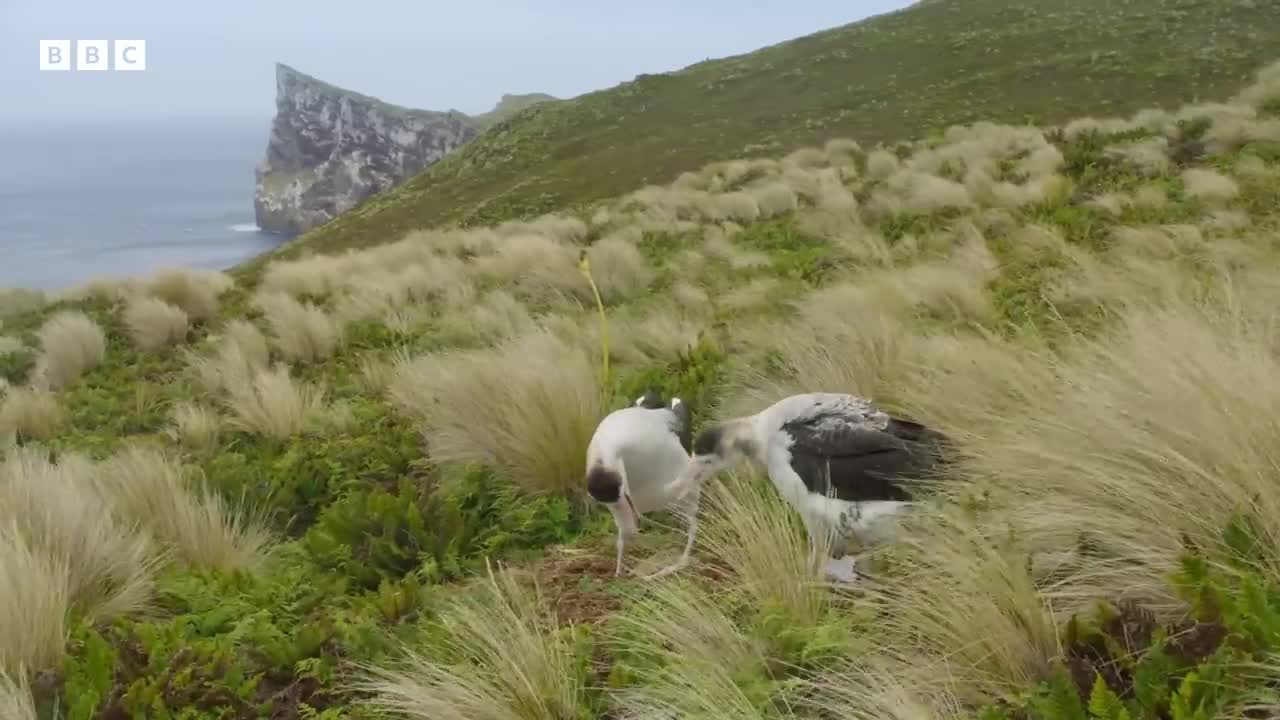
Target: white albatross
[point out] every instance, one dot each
(842, 463)
(633, 457)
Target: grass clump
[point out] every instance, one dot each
(199, 528)
(499, 654)
(153, 324)
(71, 344)
(527, 406)
(274, 404)
(30, 414)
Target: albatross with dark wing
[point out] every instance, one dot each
(632, 459)
(842, 463)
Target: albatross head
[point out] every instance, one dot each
(718, 447)
(607, 484)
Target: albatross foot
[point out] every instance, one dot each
(673, 567)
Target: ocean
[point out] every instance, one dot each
(79, 201)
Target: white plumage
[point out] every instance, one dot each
(633, 457)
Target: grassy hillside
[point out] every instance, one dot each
(284, 500)
(894, 77)
(509, 105)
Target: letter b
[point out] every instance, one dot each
(93, 55)
(55, 54)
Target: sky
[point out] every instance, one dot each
(217, 59)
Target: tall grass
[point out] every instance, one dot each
(71, 343)
(30, 414)
(153, 323)
(527, 406)
(60, 514)
(35, 598)
(195, 292)
(273, 404)
(301, 330)
(501, 655)
(198, 526)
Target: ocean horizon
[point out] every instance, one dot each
(83, 200)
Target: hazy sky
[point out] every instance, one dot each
(217, 58)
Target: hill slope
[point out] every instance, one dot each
(1090, 313)
(887, 78)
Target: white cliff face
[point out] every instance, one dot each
(331, 148)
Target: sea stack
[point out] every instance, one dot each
(331, 148)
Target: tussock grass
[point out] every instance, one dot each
(1173, 456)
(153, 324)
(1208, 185)
(196, 426)
(273, 404)
(71, 344)
(59, 512)
(497, 316)
(240, 350)
(301, 331)
(618, 268)
(195, 292)
(527, 406)
(148, 488)
(16, 702)
(31, 414)
(693, 654)
(35, 598)
(964, 600)
(534, 268)
(501, 655)
(754, 531)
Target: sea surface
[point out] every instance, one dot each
(91, 199)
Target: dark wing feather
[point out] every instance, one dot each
(651, 400)
(682, 425)
(853, 460)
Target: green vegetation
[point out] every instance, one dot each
(350, 485)
(894, 77)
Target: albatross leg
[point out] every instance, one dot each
(690, 511)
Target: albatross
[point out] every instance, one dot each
(841, 462)
(634, 455)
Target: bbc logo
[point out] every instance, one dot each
(94, 55)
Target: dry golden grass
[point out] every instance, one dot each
(497, 316)
(59, 513)
(71, 344)
(618, 268)
(35, 598)
(153, 324)
(750, 528)
(967, 606)
(533, 268)
(196, 292)
(273, 404)
(147, 488)
(301, 331)
(195, 426)
(501, 656)
(527, 407)
(1208, 185)
(239, 352)
(694, 651)
(1172, 455)
(31, 414)
(880, 688)
(16, 702)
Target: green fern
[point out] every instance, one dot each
(1104, 703)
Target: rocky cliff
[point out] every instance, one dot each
(331, 148)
